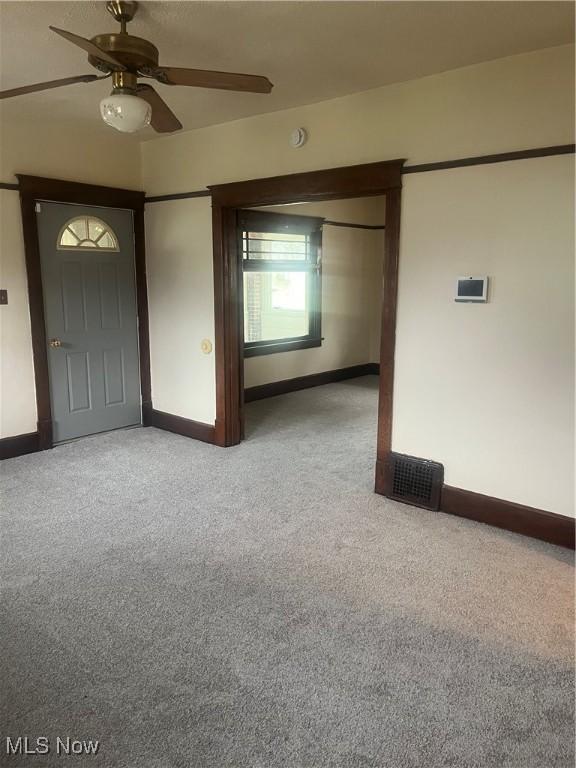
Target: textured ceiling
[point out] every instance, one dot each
(311, 51)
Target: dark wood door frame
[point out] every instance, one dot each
(336, 183)
(34, 189)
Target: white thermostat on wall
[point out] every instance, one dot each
(298, 137)
(472, 289)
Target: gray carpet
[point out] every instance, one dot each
(259, 607)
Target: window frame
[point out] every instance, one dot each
(279, 223)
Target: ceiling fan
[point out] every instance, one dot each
(133, 105)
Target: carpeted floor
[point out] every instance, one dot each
(259, 606)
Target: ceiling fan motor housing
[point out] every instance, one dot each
(134, 53)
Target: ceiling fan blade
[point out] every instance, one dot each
(49, 84)
(163, 119)
(89, 47)
(205, 78)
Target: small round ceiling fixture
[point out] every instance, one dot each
(125, 112)
(298, 138)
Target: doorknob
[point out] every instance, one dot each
(55, 343)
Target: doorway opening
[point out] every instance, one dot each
(228, 202)
(312, 294)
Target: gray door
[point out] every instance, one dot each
(87, 257)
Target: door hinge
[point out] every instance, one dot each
(38, 208)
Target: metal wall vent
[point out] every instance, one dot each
(415, 481)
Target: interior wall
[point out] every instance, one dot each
(521, 102)
(17, 392)
(181, 307)
(352, 261)
(55, 151)
(488, 389)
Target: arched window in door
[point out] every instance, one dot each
(87, 232)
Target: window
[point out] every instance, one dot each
(282, 282)
(87, 232)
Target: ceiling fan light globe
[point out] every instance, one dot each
(125, 112)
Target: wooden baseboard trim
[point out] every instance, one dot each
(305, 382)
(178, 424)
(19, 445)
(518, 518)
(536, 523)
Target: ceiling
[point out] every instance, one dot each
(311, 51)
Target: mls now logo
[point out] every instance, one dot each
(24, 745)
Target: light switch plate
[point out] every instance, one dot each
(3, 296)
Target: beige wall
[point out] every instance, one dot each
(351, 265)
(17, 392)
(517, 103)
(181, 307)
(488, 389)
(59, 152)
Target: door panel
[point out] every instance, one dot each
(113, 376)
(109, 297)
(73, 296)
(78, 381)
(91, 312)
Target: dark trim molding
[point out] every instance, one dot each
(306, 382)
(276, 347)
(258, 220)
(523, 154)
(60, 191)
(503, 157)
(178, 196)
(33, 188)
(19, 445)
(329, 184)
(265, 221)
(179, 425)
(547, 526)
(388, 336)
(353, 226)
(332, 184)
(142, 304)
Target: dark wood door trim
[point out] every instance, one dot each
(335, 183)
(330, 184)
(388, 334)
(228, 329)
(33, 189)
